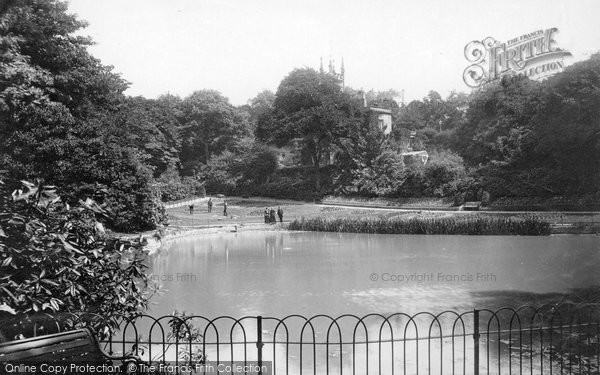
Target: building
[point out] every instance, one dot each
(331, 71)
(291, 155)
(382, 118)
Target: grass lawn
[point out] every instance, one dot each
(243, 211)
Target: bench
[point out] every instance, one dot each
(471, 206)
(73, 347)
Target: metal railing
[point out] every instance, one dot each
(549, 339)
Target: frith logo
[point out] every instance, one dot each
(534, 55)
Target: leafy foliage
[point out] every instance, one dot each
(312, 107)
(238, 171)
(55, 258)
(63, 118)
(210, 126)
(384, 177)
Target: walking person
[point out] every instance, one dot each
(280, 213)
(272, 218)
(191, 207)
(224, 208)
(266, 215)
(210, 203)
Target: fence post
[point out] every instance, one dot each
(259, 342)
(476, 342)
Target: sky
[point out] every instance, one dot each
(242, 47)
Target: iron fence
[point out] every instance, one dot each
(549, 339)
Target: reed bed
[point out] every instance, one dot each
(469, 225)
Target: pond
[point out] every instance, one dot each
(282, 273)
(276, 274)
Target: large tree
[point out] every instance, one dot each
(536, 138)
(210, 126)
(151, 127)
(565, 137)
(57, 108)
(312, 107)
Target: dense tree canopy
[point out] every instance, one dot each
(311, 106)
(64, 118)
(58, 111)
(210, 125)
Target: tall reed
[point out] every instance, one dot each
(467, 225)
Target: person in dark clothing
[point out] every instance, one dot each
(266, 215)
(191, 207)
(272, 218)
(224, 208)
(210, 203)
(280, 213)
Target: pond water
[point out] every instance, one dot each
(282, 273)
(276, 274)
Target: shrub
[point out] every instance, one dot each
(443, 173)
(384, 177)
(54, 258)
(171, 187)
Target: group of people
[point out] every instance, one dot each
(270, 215)
(269, 212)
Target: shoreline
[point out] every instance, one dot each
(245, 214)
(154, 244)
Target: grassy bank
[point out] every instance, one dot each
(479, 225)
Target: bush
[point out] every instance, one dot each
(383, 178)
(171, 187)
(444, 172)
(286, 188)
(135, 210)
(54, 258)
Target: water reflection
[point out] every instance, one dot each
(282, 273)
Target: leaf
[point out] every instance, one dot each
(15, 299)
(4, 307)
(48, 281)
(6, 261)
(54, 303)
(70, 247)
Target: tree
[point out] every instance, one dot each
(248, 165)
(152, 128)
(383, 177)
(210, 125)
(57, 110)
(445, 174)
(498, 118)
(312, 107)
(259, 107)
(565, 135)
(433, 119)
